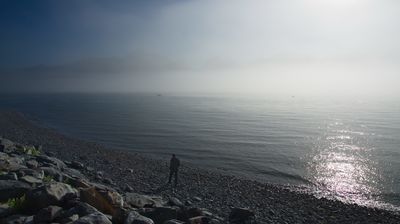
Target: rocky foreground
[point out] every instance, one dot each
(38, 188)
(116, 174)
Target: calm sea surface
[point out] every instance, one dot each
(347, 149)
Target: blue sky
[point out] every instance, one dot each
(268, 47)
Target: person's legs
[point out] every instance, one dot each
(170, 176)
(176, 177)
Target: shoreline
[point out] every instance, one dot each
(218, 191)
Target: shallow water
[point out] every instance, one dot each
(348, 149)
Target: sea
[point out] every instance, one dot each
(347, 149)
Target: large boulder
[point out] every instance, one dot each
(135, 218)
(142, 201)
(94, 218)
(104, 200)
(241, 216)
(50, 194)
(12, 189)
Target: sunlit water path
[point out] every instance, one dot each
(347, 149)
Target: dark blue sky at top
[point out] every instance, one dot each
(51, 32)
(262, 46)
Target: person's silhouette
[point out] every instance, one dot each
(173, 169)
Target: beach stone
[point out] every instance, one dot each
(94, 218)
(193, 212)
(128, 188)
(241, 215)
(39, 174)
(79, 182)
(175, 202)
(108, 181)
(161, 214)
(104, 200)
(73, 173)
(81, 209)
(9, 176)
(16, 219)
(12, 164)
(199, 220)
(5, 211)
(77, 165)
(52, 172)
(47, 214)
(69, 219)
(50, 194)
(51, 161)
(6, 145)
(32, 164)
(31, 180)
(89, 169)
(197, 199)
(140, 201)
(135, 218)
(12, 189)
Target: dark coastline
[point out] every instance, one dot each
(219, 192)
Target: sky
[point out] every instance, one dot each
(293, 47)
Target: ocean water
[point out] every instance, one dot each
(345, 149)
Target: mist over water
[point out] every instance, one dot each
(347, 149)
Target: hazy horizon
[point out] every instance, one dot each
(301, 48)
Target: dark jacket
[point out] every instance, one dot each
(174, 164)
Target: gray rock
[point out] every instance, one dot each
(199, 220)
(50, 194)
(6, 145)
(241, 216)
(108, 181)
(53, 172)
(197, 199)
(175, 202)
(94, 218)
(77, 165)
(73, 173)
(5, 211)
(39, 174)
(51, 161)
(16, 219)
(161, 214)
(32, 164)
(140, 201)
(9, 176)
(128, 188)
(69, 219)
(193, 212)
(12, 189)
(31, 180)
(135, 218)
(47, 214)
(89, 169)
(81, 209)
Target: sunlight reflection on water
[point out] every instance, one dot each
(342, 166)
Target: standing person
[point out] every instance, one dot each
(173, 169)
